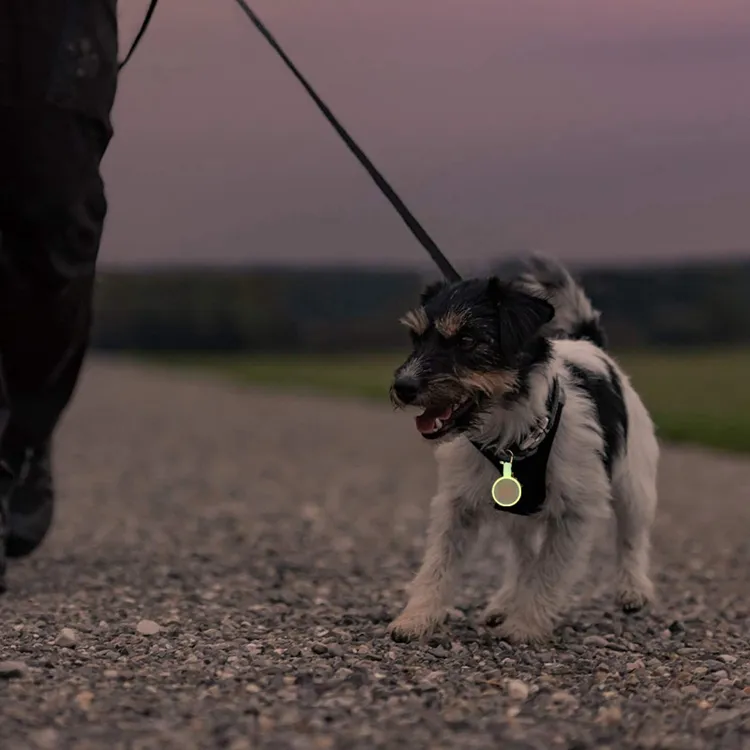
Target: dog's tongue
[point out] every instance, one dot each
(426, 420)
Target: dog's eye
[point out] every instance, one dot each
(467, 342)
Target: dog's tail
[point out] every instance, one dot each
(575, 316)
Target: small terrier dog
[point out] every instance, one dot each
(497, 365)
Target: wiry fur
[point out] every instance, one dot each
(575, 317)
(603, 460)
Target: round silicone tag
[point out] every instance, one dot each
(506, 491)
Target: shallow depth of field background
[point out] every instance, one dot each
(680, 333)
(696, 397)
(243, 236)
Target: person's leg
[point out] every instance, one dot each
(55, 108)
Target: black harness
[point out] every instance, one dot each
(529, 457)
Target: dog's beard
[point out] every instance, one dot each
(452, 405)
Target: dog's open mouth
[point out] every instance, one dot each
(436, 421)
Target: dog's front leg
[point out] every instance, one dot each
(452, 530)
(545, 585)
(520, 555)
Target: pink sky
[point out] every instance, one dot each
(590, 130)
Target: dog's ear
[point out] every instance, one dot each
(520, 315)
(432, 290)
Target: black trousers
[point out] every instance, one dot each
(58, 77)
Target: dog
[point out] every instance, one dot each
(490, 360)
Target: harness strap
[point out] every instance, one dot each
(529, 463)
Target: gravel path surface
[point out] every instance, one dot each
(225, 564)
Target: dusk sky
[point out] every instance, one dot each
(591, 130)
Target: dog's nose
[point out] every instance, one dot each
(406, 389)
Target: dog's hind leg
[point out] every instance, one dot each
(634, 505)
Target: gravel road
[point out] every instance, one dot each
(225, 563)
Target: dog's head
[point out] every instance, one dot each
(468, 340)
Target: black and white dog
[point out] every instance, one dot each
(513, 375)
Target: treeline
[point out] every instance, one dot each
(252, 310)
(341, 309)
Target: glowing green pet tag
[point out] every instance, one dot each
(506, 491)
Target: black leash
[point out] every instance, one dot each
(141, 32)
(417, 229)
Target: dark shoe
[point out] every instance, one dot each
(31, 504)
(7, 481)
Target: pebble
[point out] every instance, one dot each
(619, 647)
(84, 700)
(68, 638)
(609, 715)
(45, 739)
(561, 697)
(728, 659)
(148, 627)
(596, 641)
(719, 717)
(518, 690)
(11, 669)
(713, 664)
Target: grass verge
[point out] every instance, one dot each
(700, 397)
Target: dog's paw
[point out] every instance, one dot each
(632, 601)
(633, 596)
(494, 614)
(517, 629)
(413, 626)
(493, 617)
(497, 608)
